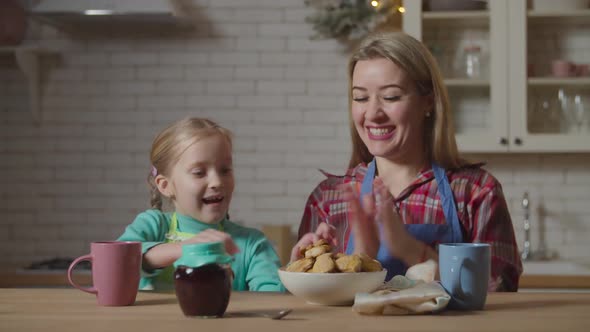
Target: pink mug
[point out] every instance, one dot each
(115, 272)
(563, 68)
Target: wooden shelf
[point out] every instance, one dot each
(466, 82)
(28, 58)
(459, 14)
(560, 14)
(557, 81)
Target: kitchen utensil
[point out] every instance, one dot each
(276, 315)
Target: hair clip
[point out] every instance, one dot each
(154, 171)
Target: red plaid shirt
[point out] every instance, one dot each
(481, 208)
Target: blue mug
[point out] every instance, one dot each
(465, 273)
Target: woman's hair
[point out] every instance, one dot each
(170, 144)
(415, 59)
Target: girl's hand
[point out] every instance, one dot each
(324, 231)
(213, 235)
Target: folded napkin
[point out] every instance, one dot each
(414, 293)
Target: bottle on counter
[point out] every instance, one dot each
(203, 279)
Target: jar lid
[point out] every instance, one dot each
(199, 254)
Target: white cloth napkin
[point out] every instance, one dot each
(414, 293)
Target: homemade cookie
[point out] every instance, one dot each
(302, 265)
(323, 264)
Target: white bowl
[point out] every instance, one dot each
(331, 288)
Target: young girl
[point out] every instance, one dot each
(192, 167)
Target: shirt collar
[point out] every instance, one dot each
(189, 224)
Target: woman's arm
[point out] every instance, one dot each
(491, 223)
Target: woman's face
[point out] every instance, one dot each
(387, 111)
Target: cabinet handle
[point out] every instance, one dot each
(517, 141)
(503, 141)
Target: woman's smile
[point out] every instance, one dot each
(380, 133)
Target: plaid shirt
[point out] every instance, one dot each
(481, 209)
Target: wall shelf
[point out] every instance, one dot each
(557, 81)
(560, 14)
(28, 60)
(466, 82)
(459, 14)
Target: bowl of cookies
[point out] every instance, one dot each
(327, 278)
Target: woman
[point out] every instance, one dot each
(407, 189)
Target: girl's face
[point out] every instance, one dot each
(202, 182)
(387, 111)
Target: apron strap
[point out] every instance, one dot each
(448, 202)
(367, 185)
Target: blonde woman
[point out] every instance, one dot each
(407, 189)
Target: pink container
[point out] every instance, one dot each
(583, 70)
(563, 68)
(115, 272)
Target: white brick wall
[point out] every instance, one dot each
(80, 175)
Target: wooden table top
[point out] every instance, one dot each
(72, 310)
(11, 278)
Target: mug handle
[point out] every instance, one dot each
(456, 285)
(90, 290)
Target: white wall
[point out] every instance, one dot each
(80, 175)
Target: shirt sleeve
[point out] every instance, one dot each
(264, 263)
(309, 220)
(149, 228)
(491, 223)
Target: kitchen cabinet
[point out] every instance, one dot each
(515, 104)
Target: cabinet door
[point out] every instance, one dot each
(479, 102)
(548, 113)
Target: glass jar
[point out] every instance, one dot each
(203, 279)
(472, 61)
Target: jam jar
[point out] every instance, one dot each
(203, 279)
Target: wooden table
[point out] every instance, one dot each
(72, 310)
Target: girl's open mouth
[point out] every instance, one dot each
(213, 199)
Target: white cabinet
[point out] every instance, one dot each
(516, 104)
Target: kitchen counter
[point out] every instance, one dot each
(57, 278)
(555, 281)
(66, 310)
(41, 278)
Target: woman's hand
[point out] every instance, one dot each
(362, 222)
(213, 235)
(324, 231)
(364, 219)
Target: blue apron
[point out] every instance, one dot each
(429, 234)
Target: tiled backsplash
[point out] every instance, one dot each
(80, 175)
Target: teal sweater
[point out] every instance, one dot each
(255, 266)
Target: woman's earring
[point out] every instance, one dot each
(427, 114)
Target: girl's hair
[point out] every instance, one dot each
(170, 144)
(415, 59)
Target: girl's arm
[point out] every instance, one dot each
(263, 264)
(149, 228)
